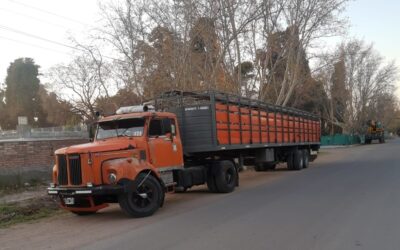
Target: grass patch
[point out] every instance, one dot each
(14, 189)
(30, 210)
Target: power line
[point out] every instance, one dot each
(49, 41)
(31, 44)
(37, 37)
(49, 12)
(34, 18)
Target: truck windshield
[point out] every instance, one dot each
(123, 127)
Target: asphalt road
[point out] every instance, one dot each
(348, 199)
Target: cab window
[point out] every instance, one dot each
(160, 127)
(155, 128)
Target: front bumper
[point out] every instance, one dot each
(87, 191)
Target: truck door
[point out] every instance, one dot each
(164, 145)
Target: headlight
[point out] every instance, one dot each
(112, 178)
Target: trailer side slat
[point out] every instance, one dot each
(213, 121)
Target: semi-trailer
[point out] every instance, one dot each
(176, 141)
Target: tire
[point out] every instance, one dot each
(306, 158)
(212, 187)
(297, 159)
(289, 160)
(225, 176)
(136, 205)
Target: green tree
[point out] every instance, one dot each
(21, 94)
(58, 112)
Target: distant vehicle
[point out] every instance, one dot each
(186, 139)
(375, 131)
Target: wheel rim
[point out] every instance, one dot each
(144, 196)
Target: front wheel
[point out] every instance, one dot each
(145, 200)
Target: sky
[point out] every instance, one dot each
(24, 24)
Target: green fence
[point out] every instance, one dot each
(340, 139)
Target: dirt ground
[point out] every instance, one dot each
(26, 204)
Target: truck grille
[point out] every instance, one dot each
(74, 167)
(75, 175)
(62, 170)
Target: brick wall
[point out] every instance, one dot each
(34, 156)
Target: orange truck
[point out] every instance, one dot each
(177, 141)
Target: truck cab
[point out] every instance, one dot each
(130, 161)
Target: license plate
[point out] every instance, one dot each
(69, 201)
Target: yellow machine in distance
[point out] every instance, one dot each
(375, 131)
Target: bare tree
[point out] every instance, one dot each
(303, 23)
(81, 83)
(367, 78)
(369, 86)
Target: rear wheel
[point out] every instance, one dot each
(289, 160)
(145, 200)
(212, 187)
(297, 159)
(223, 177)
(306, 158)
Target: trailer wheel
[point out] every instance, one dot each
(145, 200)
(306, 158)
(298, 159)
(289, 160)
(226, 176)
